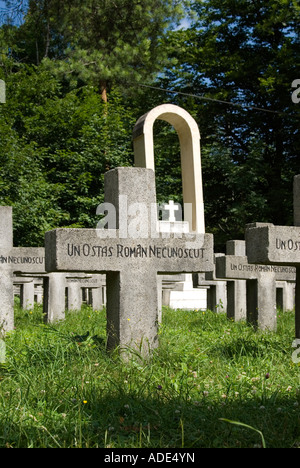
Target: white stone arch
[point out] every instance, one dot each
(189, 138)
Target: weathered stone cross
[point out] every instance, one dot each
(278, 245)
(131, 263)
(14, 260)
(260, 284)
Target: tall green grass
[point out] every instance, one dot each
(60, 388)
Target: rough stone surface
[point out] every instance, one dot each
(273, 245)
(54, 297)
(269, 244)
(13, 260)
(259, 290)
(131, 264)
(82, 250)
(231, 266)
(189, 138)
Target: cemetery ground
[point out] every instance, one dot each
(60, 388)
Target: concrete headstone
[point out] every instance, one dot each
(260, 285)
(14, 260)
(131, 263)
(278, 245)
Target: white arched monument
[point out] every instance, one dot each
(183, 295)
(189, 138)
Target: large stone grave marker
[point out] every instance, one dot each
(260, 292)
(14, 260)
(278, 245)
(131, 255)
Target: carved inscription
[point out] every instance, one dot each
(139, 251)
(22, 260)
(290, 245)
(82, 280)
(262, 268)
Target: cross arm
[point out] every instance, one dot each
(238, 267)
(84, 250)
(24, 259)
(273, 245)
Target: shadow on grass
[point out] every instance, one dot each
(126, 421)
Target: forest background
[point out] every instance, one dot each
(79, 73)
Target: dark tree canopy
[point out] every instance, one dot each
(77, 74)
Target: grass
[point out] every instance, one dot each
(211, 383)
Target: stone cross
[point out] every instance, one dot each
(13, 260)
(171, 208)
(27, 290)
(130, 263)
(260, 292)
(236, 288)
(278, 245)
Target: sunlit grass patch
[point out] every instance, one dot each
(60, 388)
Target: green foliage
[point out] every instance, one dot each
(55, 148)
(244, 53)
(59, 387)
(100, 43)
(58, 138)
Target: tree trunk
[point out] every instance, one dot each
(103, 89)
